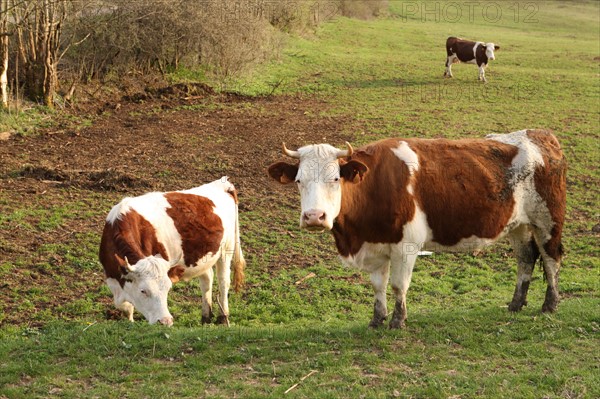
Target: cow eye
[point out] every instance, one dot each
(336, 179)
(144, 292)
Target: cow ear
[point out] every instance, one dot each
(283, 172)
(175, 273)
(496, 47)
(353, 171)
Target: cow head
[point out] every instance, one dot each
(489, 50)
(147, 284)
(319, 176)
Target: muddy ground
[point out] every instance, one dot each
(163, 139)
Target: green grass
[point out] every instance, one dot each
(460, 341)
(469, 353)
(25, 121)
(31, 119)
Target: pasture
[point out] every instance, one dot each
(302, 318)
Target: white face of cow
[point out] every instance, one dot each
(318, 181)
(318, 175)
(147, 286)
(489, 50)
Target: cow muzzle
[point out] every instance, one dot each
(314, 219)
(166, 321)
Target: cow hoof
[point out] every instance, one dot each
(376, 323)
(396, 324)
(206, 319)
(549, 307)
(516, 306)
(222, 319)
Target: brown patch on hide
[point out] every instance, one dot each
(463, 187)
(376, 209)
(201, 230)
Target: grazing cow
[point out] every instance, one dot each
(470, 52)
(390, 199)
(154, 240)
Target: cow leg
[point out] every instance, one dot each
(449, 62)
(379, 280)
(551, 252)
(206, 280)
(401, 274)
(527, 253)
(482, 74)
(127, 308)
(550, 246)
(551, 270)
(119, 298)
(224, 278)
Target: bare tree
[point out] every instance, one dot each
(118, 38)
(38, 25)
(4, 53)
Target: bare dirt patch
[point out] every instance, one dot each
(168, 139)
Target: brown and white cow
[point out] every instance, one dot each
(154, 240)
(460, 50)
(390, 199)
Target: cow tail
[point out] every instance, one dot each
(239, 263)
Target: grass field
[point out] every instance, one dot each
(385, 75)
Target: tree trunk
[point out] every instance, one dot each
(4, 71)
(38, 45)
(43, 52)
(50, 80)
(4, 54)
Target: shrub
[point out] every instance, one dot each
(124, 38)
(362, 9)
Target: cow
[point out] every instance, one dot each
(460, 50)
(154, 240)
(390, 199)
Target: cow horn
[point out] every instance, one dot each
(345, 153)
(128, 267)
(290, 153)
(175, 262)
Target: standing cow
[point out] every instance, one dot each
(460, 50)
(154, 240)
(390, 199)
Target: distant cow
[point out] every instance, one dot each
(390, 199)
(154, 240)
(470, 52)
